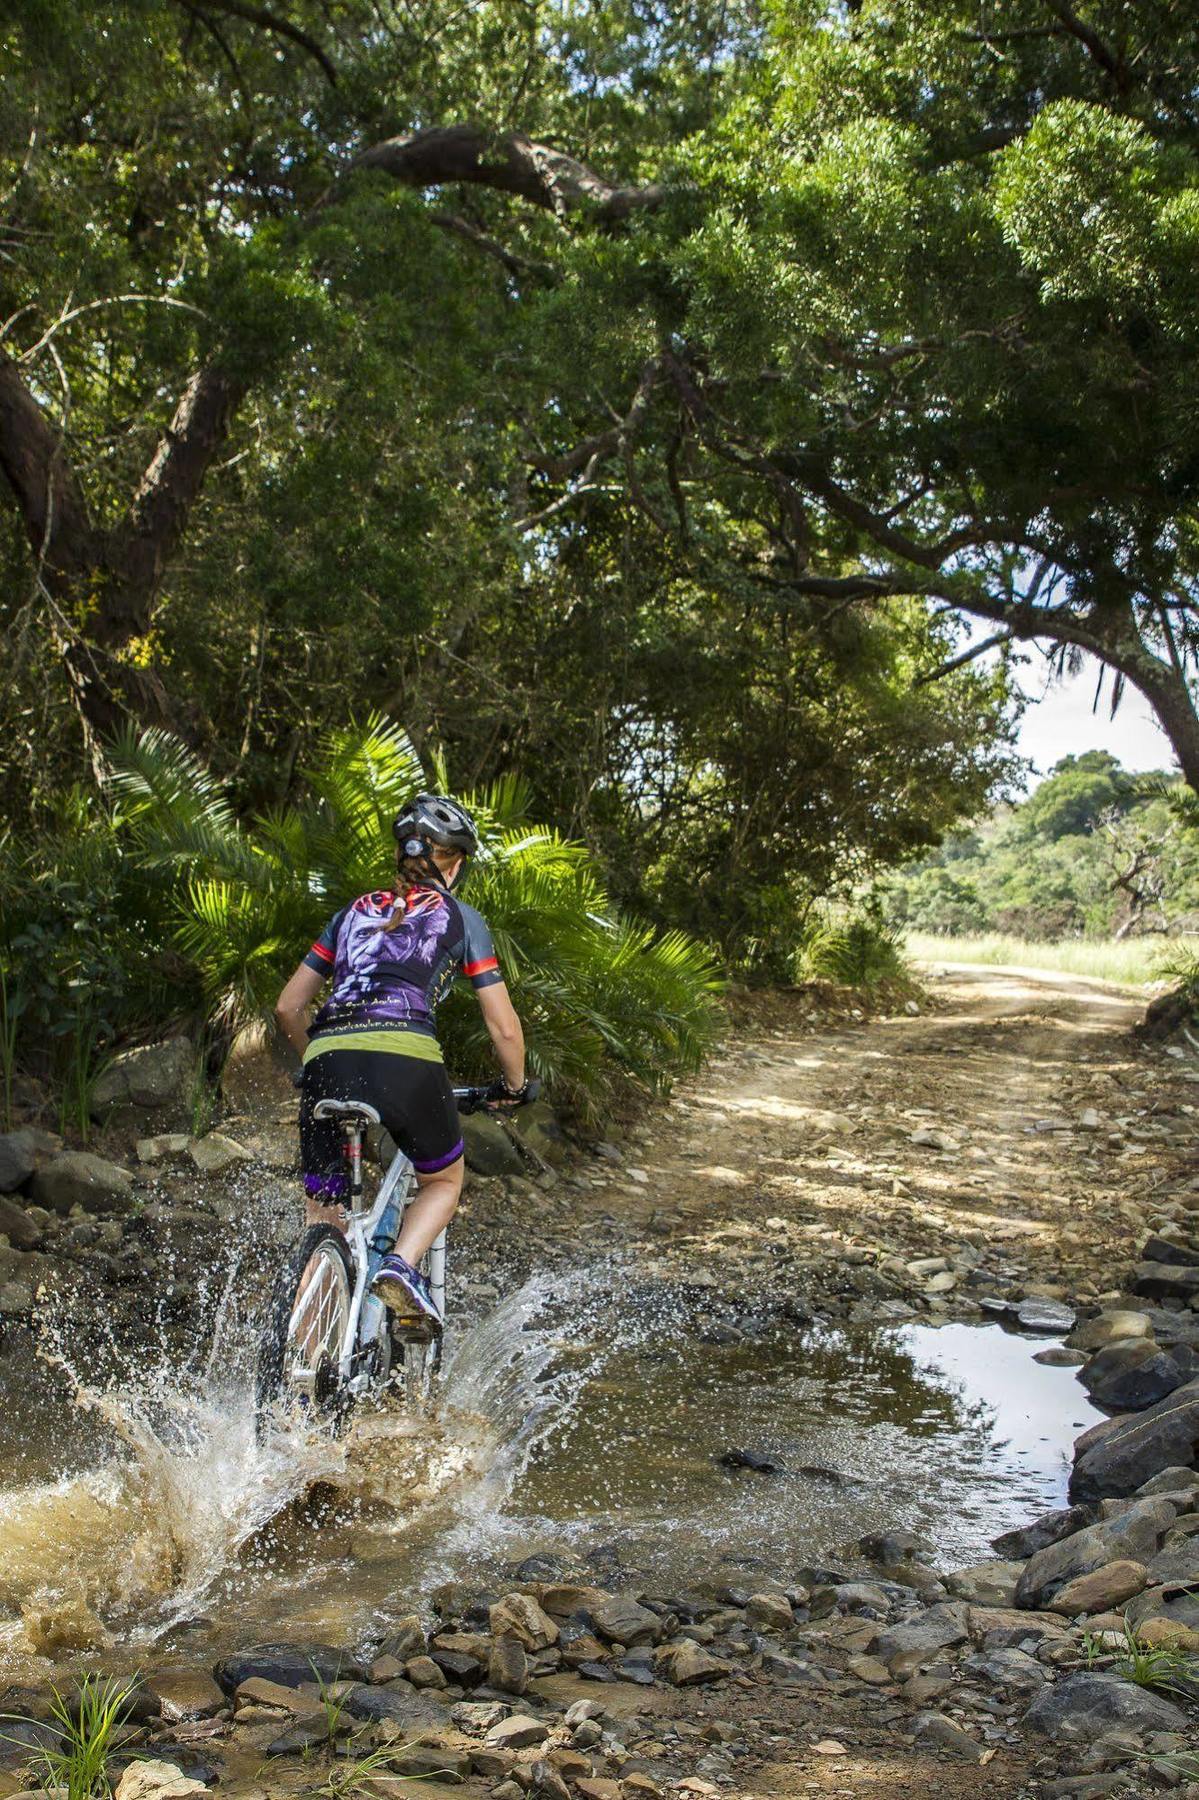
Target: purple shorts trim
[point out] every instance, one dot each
(326, 1187)
(440, 1162)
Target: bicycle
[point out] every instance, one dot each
(328, 1341)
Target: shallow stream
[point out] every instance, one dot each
(144, 1519)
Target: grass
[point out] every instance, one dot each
(1161, 1667)
(1134, 962)
(88, 1724)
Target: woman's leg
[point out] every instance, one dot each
(431, 1211)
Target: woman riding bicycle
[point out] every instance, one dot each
(392, 956)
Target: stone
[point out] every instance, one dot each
(429, 1762)
(77, 1178)
(986, 1584)
(519, 1616)
(1051, 1529)
(1166, 1250)
(1011, 1670)
(1087, 1704)
(423, 1672)
(1109, 1328)
(18, 1160)
(1171, 1481)
(487, 1147)
(539, 1128)
(1168, 1634)
(16, 1300)
(1057, 1356)
(216, 1154)
(399, 1703)
(20, 1227)
(598, 1787)
(257, 1692)
(687, 1664)
(888, 1547)
(1160, 1281)
(151, 1078)
(406, 1638)
(934, 1732)
(870, 1670)
(185, 1694)
(927, 1137)
(621, 1620)
(1006, 1628)
(155, 1781)
(1130, 1374)
(517, 1732)
(477, 1716)
(290, 1665)
(1131, 1450)
(1049, 1316)
(1133, 1535)
(770, 1611)
(1110, 1585)
(917, 1641)
(508, 1666)
(166, 1144)
(1176, 1566)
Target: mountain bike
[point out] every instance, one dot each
(328, 1340)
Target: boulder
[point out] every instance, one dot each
(429, 1763)
(19, 1227)
(538, 1126)
(907, 1647)
(1168, 1250)
(488, 1148)
(290, 1665)
(1108, 1586)
(1130, 1374)
(397, 1702)
(686, 1664)
(935, 1732)
(1051, 1529)
(1085, 1705)
(155, 1781)
(166, 1144)
(77, 1178)
(216, 1154)
(1177, 1566)
(1133, 1535)
(1109, 1328)
(1179, 1607)
(18, 1160)
(1159, 1281)
(1010, 1669)
(1120, 1459)
(986, 1584)
(620, 1620)
(508, 1666)
(517, 1732)
(1048, 1316)
(1006, 1628)
(770, 1611)
(152, 1078)
(185, 1694)
(519, 1616)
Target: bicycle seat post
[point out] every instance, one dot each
(353, 1152)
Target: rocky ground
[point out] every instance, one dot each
(1008, 1148)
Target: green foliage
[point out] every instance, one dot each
(1093, 852)
(88, 1722)
(858, 951)
(598, 993)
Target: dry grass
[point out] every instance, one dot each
(1134, 962)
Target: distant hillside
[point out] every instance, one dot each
(1093, 852)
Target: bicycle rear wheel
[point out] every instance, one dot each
(306, 1327)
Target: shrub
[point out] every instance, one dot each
(858, 950)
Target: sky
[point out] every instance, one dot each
(1058, 721)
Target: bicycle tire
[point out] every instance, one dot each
(310, 1378)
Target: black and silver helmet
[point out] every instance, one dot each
(435, 819)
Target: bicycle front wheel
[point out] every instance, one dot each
(306, 1328)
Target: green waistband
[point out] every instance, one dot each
(396, 1043)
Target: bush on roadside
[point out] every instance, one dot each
(856, 950)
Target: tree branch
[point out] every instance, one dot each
(515, 264)
(44, 484)
(1092, 43)
(268, 21)
(967, 656)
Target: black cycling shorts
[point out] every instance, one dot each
(402, 1077)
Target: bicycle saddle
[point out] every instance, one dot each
(346, 1109)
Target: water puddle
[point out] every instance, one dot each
(141, 1512)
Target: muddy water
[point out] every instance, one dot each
(140, 1516)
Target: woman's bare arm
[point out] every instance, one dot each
(291, 1008)
(499, 1016)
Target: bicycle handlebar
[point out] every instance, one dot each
(491, 1098)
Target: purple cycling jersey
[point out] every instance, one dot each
(393, 957)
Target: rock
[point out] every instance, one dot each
(155, 1781)
(166, 1144)
(1168, 1634)
(423, 1672)
(1177, 1566)
(1133, 1449)
(863, 1597)
(1049, 1316)
(517, 1732)
(621, 1620)
(1005, 1628)
(1057, 1356)
(398, 1702)
(1134, 1535)
(752, 1459)
(20, 1153)
(907, 1647)
(1050, 1529)
(686, 1664)
(1110, 1585)
(1130, 1374)
(488, 1148)
(888, 1547)
(405, 1639)
(870, 1670)
(1109, 1328)
(1171, 1481)
(429, 1762)
(185, 1694)
(933, 1732)
(16, 1300)
(1085, 1705)
(1166, 1250)
(77, 1178)
(929, 1138)
(538, 1126)
(986, 1584)
(150, 1078)
(1159, 1281)
(20, 1227)
(216, 1154)
(519, 1616)
(770, 1611)
(508, 1666)
(1012, 1670)
(290, 1665)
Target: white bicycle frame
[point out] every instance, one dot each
(368, 1316)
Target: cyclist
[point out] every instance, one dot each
(392, 956)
